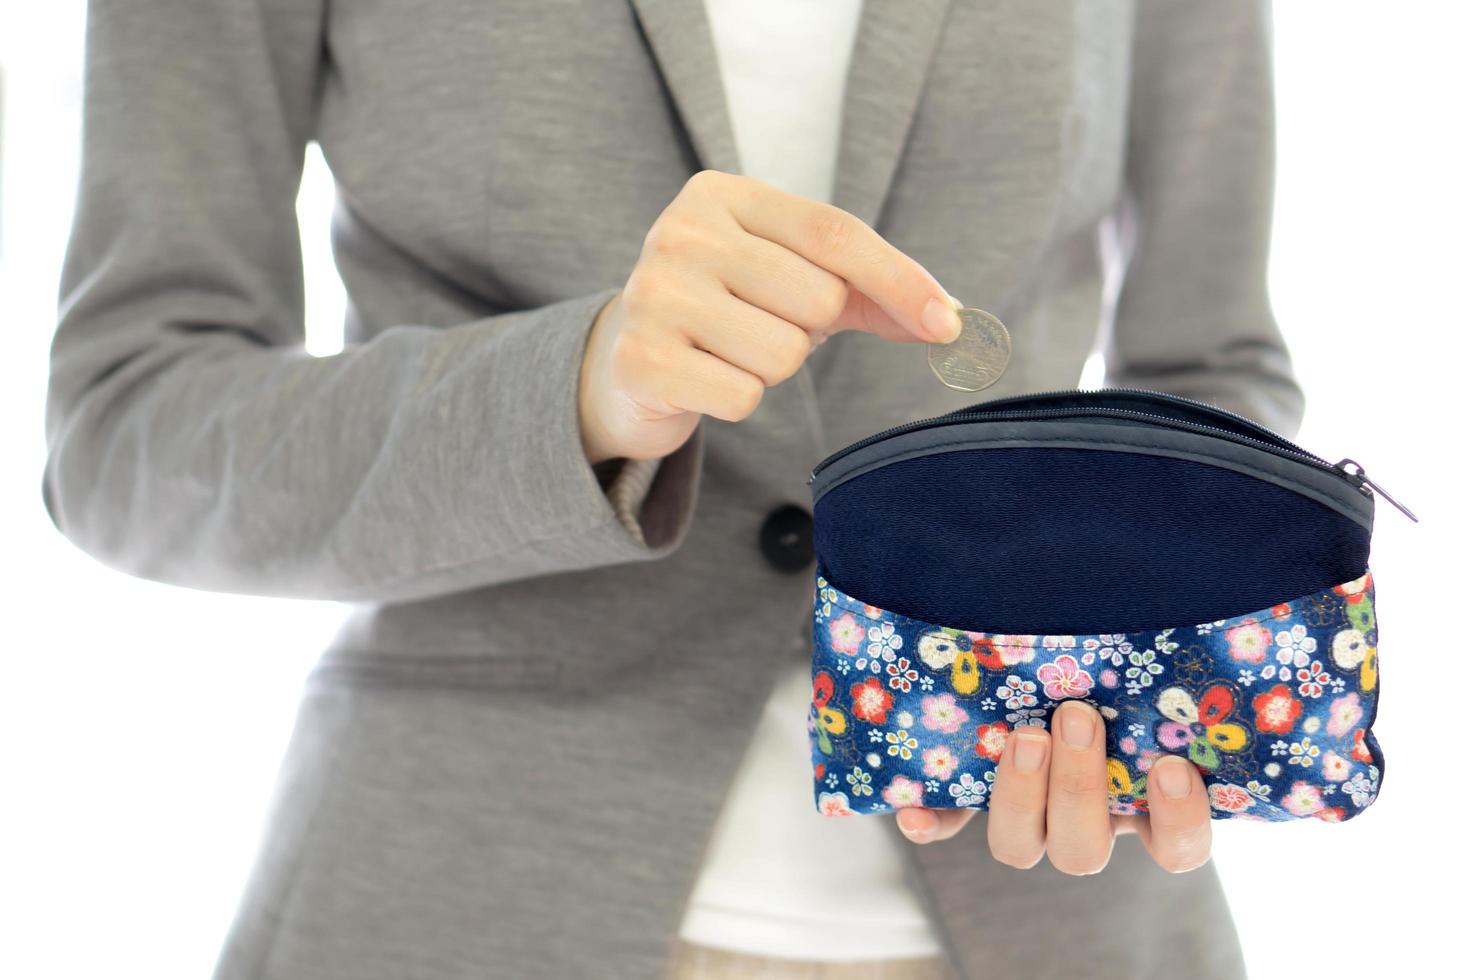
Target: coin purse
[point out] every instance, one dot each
(1200, 580)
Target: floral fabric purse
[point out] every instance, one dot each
(1199, 579)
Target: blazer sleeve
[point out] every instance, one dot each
(1192, 315)
(192, 440)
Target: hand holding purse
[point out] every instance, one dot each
(1200, 580)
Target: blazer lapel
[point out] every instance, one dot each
(890, 59)
(683, 45)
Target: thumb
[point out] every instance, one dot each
(922, 825)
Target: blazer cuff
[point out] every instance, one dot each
(640, 511)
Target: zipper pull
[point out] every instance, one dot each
(1362, 479)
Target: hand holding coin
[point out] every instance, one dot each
(977, 357)
(737, 283)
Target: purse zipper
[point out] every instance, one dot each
(1361, 475)
(1274, 444)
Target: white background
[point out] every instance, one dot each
(142, 724)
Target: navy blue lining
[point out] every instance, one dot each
(1047, 540)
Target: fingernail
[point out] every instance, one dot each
(1172, 778)
(941, 321)
(955, 303)
(1030, 750)
(1077, 725)
(918, 835)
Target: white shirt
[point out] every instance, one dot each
(780, 879)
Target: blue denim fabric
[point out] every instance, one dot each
(1274, 707)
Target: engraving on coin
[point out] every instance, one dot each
(977, 357)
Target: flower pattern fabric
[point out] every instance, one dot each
(1274, 707)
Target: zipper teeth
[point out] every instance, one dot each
(988, 412)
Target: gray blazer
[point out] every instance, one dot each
(508, 762)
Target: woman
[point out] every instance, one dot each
(559, 468)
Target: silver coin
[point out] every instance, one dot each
(977, 357)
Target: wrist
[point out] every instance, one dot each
(597, 445)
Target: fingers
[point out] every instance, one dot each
(736, 284)
(844, 245)
(697, 381)
(1177, 833)
(924, 826)
(1079, 829)
(749, 338)
(1016, 827)
(1050, 797)
(775, 279)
